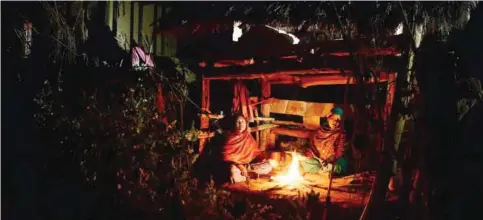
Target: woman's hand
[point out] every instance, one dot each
(243, 170)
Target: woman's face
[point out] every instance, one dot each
(333, 120)
(240, 124)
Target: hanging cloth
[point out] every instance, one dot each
(141, 59)
(241, 101)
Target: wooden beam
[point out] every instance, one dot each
(300, 64)
(261, 75)
(283, 79)
(335, 60)
(307, 81)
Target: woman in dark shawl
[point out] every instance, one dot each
(327, 145)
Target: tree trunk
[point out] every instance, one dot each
(393, 134)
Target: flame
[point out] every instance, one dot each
(274, 163)
(292, 177)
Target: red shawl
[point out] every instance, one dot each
(240, 148)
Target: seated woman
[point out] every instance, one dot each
(234, 153)
(327, 146)
(239, 149)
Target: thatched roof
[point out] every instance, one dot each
(368, 17)
(209, 25)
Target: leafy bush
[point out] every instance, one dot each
(125, 150)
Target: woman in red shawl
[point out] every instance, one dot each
(234, 151)
(231, 154)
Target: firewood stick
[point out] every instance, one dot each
(287, 123)
(264, 119)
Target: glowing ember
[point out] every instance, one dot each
(292, 176)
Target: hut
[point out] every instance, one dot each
(285, 65)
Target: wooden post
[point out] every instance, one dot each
(205, 107)
(205, 103)
(257, 122)
(265, 109)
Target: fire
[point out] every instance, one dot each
(292, 177)
(274, 163)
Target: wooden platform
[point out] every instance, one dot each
(348, 192)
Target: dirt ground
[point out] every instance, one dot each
(348, 195)
(352, 191)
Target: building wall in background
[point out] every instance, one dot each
(134, 21)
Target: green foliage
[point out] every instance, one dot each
(189, 75)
